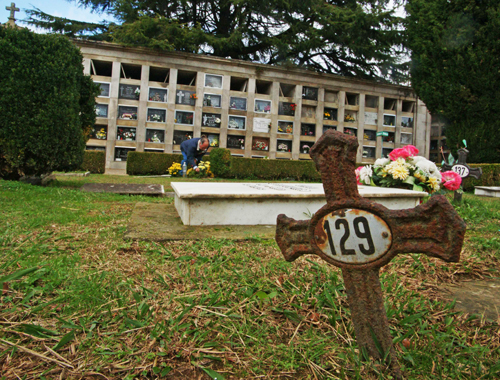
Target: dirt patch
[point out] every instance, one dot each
(160, 222)
(476, 297)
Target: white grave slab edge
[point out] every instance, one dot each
(487, 191)
(247, 203)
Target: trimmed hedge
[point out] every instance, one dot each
(220, 162)
(147, 163)
(490, 177)
(273, 169)
(94, 161)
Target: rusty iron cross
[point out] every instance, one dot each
(361, 236)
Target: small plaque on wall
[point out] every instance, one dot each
(185, 97)
(129, 91)
(261, 125)
(371, 118)
(211, 120)
(287, 109)
(238, 103)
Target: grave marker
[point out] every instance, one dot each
(463, 170)
(360, 237)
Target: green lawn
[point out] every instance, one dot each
(77, 182)
(79, 302)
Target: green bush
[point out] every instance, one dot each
(490, 177)
(94, 161)
(47, 103)
(249, 168)
(220, 162)
(146, 163)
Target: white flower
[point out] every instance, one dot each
(413, 160)
(365, 174)
(429, 168)
(381, 162)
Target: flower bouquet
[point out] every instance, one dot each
(260, 145)
(101, 135)
(175, 169)
(349, 118)
(204, 167)
(283, 147)
(305, 148)
(404, 169)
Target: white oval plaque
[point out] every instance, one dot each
(461, 170)
(353, 236)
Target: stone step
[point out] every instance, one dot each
(487, 191)
(125, 189)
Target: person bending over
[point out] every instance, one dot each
(193, 151)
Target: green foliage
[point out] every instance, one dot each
(94, 161)
(455, 51)
(142, 163)
(249, 168)
(347, 37)
(47, 104)
(220, 162)
(490, 177)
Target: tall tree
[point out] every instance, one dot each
(456, 69)
(346, 37)
(47, 104)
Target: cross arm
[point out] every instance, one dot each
(433, 228)
(292, 237)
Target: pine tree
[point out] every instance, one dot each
(346, 37)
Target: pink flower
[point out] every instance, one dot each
(451, 180)
(405, 152)
(357, 171)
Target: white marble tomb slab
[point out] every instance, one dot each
(224, 203)
(487, 191)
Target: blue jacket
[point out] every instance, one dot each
(190, 149)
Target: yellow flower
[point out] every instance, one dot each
(420, 176)
(433, 183)
(398, 169)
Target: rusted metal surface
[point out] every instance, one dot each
(360, 236)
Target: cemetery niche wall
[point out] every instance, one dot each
(252, 109)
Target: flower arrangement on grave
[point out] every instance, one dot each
(267, 108)
(155, 117)
(125, 135)
(155, 98)
(204, 172)
(349, 118)
(217, 120)
(260, 145)
(404, 169)
(175, 169)
(283, 147)
(128, 116)
(305, 148)
(193, 96)
(101, 135)
(348, 131)
(137, 92)
(327, 115)
(233, 124)
(214, 142)
(366, 137)
(155, 138)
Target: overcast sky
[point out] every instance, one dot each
(60, 8)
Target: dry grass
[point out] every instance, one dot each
(215, 308)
